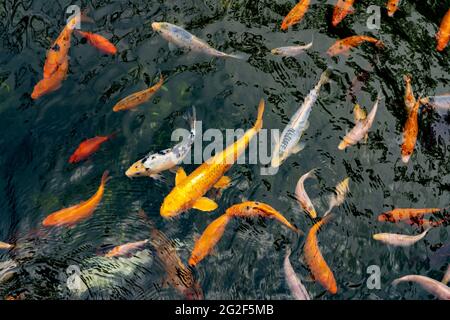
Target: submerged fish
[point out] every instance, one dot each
(443, 35)
(291, 51)
(296, 287)
(361, 129)
(400, 214)
(53, 82)
(136, 99)
(99, 42)
(409, 98)
(88, 147)
(341, 10)
(296, 14)
(436, 288)
(343, 46)
(320, 270)
(189, 190)
(342, 189)
(125, 249)
(302, 197)
(410, 132)
(400, 240)
(181, 38)
(392, 7)
(5, 246)
(288, 143)
(441, 102)
(72, 215)
(154, 163)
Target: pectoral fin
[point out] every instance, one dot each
(172, 47)
(180, 176)
(223, 183)
(298, 147)
(205, 204)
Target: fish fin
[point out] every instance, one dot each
(239, 56)
(366, 138)
(298, 147)
(205, 204)
(156, 176)
(174, 169)
(223, 183)
(307, 125)
(259, 120)
(105, 177)
(172, 47)
(180, 176)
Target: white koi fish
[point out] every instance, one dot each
(436, 288)
(291, 51)
(297, 288)
(290, 137)
(155, 163)
(301, 195)
(400, 240)
(183, 39)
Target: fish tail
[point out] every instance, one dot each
(325, 77)
(105, 177)
(192, 120)
(238, 56)
(259, 119)
(380, 44)
(113, 135)
(311, 173)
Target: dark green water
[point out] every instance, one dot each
(37, 138)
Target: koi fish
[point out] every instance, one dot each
(189, 190)
(88, 147)
(291, 51)
(343, 46)
(410, 132)
(296, 287)
(52, 82)
(446, 277)
(341, 10)
(205, 244)
(5, 246)
(136, 99)
(436, 288)
(400, 240)
(315, 261)
(337, 199)
(400, 214)
(70, 216)
(154, 163)
(99, 42)
(443, 35)
(125, 249)
(296, 14)
(181, 38)
(441, 102)
(361, 129)
(179, 276)
(392, 7)
(289, 141)
(302, 197)
(409, 98)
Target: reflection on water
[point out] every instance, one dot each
(39, 136)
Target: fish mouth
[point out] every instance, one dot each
(156, 26)
(405, 158)
(342, 145)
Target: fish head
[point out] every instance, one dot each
(74, 158)
(258, 208)
(137, 169)
(171, 206)
(276, 51)
(343, 145)
(406, 154)
(161, 27)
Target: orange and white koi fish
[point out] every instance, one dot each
(302, 197)
(443, 35)
(410, 132)
(136, 99)
(436, 288)
(99, 42)
(125, 249)
(343, 46)
(401, 214)
(320, 270)
(88, 147)
(72, 215)
(362, 127)
(212, 234)
(51, 83)
(189, 190)
(341, 10)
(392, 7)
(409, 98)
(296, 14)
(5, 246)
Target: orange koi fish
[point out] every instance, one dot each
(315, 261)
(296, 14)
(401, 214)
(72, 215)
(409, 98)
(443, 35)
(88, 147)
(189, 190)
(344, 45)
(138, 98)
(410, 132)
(125, 249)
(99, 42)
(51, 83)
(341, 10)
(392, 6)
